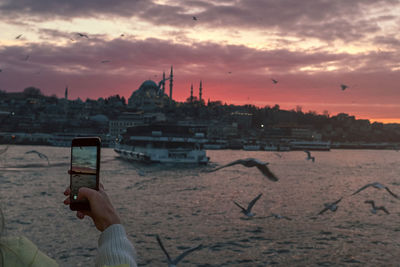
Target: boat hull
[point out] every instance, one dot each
(160, 155)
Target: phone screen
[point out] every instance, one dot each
(83, 168)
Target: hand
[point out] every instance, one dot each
(101, 210)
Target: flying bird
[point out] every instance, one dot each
(251, 162)
(41, 155)
(174, 262)
(309, 157)
(82, 35)
(247, 211)
(375, 208)
(344, 87)
(330, 206)
(122, 35)
(105, 61)
(19, 36)
(26, 58)
(1, 70)
(274, 81)
(194, 18)
(378, 186)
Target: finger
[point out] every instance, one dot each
(80, 215)
(67, 201)
(67, 191)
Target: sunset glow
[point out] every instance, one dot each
(234, 47)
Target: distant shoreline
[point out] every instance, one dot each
(344, 145)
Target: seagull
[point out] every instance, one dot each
(247, 211)
(174, 262)
(375, 208)
(1, 70)
(194, 18)
(122, 35)
(82, 35)
(309, 155)
(274, 81)
(41, 155)
(278, 216)
(19, 36)
(330, 206)
(278, 155)
(251, 162)
(105, 61)
(378, 186)
(344, 87)
(26, 58)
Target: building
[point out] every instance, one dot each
(129, 119)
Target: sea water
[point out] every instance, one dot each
(187, 206)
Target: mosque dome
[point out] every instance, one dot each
(149, 85)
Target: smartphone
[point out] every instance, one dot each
(85, 169)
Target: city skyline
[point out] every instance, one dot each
(236, 48)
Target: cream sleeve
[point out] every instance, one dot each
(115, 248)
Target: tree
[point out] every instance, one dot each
(32, 92)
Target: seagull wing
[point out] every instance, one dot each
(329, 205)
(361, 189)
(251, 204)
(227, 165)
(251, 162)
(384, 209)
(237, 204)
(308, 153)
(390, 192)
(370, 202)
(184, 254)
(337, 201)
(163, 249)
(265, 170)
(322, 211)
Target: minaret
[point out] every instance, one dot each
(163, 84)
(66, 93)
(191, 93)
(200, 92)
(170, 83)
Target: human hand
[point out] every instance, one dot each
(101, 210)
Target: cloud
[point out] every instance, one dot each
(325, 20)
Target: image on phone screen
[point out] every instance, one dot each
(83, 167)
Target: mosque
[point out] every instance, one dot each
(151, 95)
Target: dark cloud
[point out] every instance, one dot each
(326, 20)
(387, 42)
(132, 61)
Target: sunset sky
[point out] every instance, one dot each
(236, 47)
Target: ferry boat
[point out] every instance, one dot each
(251, 145)
(310, 145)
(164, 143)
(215, 144)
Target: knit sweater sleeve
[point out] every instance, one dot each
(115, 248)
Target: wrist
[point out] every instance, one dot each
(112, 221)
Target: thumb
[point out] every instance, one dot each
(87, 193)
